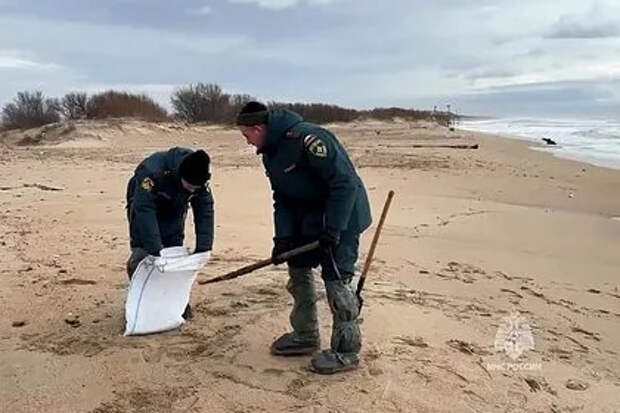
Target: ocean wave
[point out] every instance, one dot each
(594, 141)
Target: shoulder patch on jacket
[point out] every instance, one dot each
(316, 146)
(309, 139)
(147, 184)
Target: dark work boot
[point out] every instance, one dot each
(304, 339)
(346, 336)
(290, 345)
(330, 362)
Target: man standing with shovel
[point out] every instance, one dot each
(317, 195)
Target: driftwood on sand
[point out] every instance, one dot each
(447, 146)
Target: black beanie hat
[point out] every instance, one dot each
(195, 168)
(252, 114)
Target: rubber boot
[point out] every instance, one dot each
(346, 336)
(304, 339)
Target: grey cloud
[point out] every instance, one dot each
(578, 99)
(281, 4)
(599, 22)
(462, 62)
(536, 52)
(571, 98)
(228, 18)
(350, 52)
(503, 39)
(567, 30)
(576, 89)
(204, 10)
(18, 60)
(492, 73)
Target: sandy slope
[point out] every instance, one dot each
(473, 235)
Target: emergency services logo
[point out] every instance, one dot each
(514, 336)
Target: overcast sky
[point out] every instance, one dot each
(554, 58)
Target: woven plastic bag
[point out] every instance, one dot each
(160, 290)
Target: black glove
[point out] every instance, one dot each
(280, 246)
(329, 239)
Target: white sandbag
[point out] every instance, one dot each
(160, 290)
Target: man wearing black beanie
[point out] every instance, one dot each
(157, 201)
(317, 195)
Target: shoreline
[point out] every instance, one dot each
(524, 176)
(555, 150)
(539, 147)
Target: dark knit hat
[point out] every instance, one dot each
(195, 168)
(252, 114)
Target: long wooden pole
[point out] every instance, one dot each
(310, 247)
(263, 263)
(373, 245)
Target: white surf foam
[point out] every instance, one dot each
(593, 141)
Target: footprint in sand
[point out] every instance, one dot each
(277, 372)
(153, 355)
(77, 281)
(413, 342)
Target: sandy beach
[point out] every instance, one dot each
(474, 236)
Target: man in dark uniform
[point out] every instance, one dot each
(317, 194)
(157, 201)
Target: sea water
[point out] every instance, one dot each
(593, 141)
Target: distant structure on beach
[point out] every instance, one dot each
(450, 121)
(447, 118)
